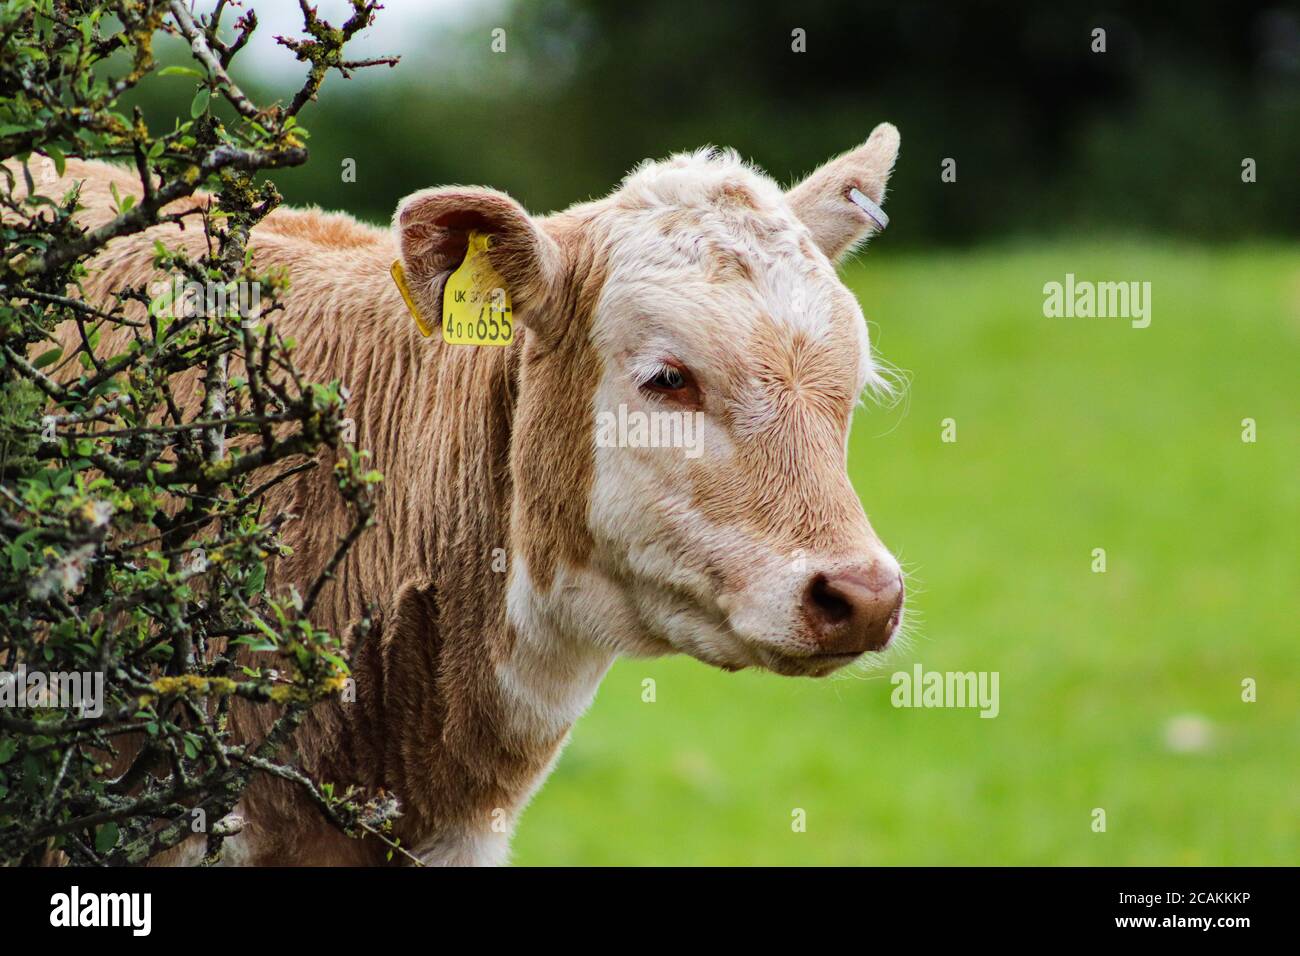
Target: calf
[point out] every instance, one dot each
(515, 554)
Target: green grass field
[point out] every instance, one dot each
(1072, 434)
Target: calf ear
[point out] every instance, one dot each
(433, 228)
(823, 203)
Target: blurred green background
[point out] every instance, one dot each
(1119, 690)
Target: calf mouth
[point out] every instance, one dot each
(817, 664)
(821, 663)
(732, 650)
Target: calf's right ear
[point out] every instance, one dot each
(824, 200)
(433, 228)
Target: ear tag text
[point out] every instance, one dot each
(476, 306)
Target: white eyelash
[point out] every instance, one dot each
(646, 372)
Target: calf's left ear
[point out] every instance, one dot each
(433, 228)
(823, 201)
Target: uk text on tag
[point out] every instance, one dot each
(475, 302)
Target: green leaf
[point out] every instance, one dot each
(106, 837)
(48, 358)
(182, 71)
(19, 558)
(256, 580)
(56, 154)
(200, 104)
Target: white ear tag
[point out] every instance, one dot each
(871, 209)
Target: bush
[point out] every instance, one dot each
(134, 544)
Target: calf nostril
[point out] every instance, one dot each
(855, 609)
(828, 603)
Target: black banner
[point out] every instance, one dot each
(142, 906)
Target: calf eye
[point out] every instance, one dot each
(669, 380)
(675, 384)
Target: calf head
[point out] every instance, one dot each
(689, 370)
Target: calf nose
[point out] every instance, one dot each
(855, 609)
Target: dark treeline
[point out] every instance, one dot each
(1049, 137)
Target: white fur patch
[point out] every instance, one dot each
(485, 847)
(556, 666)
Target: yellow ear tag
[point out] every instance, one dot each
(399, 279)
(475, 302)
